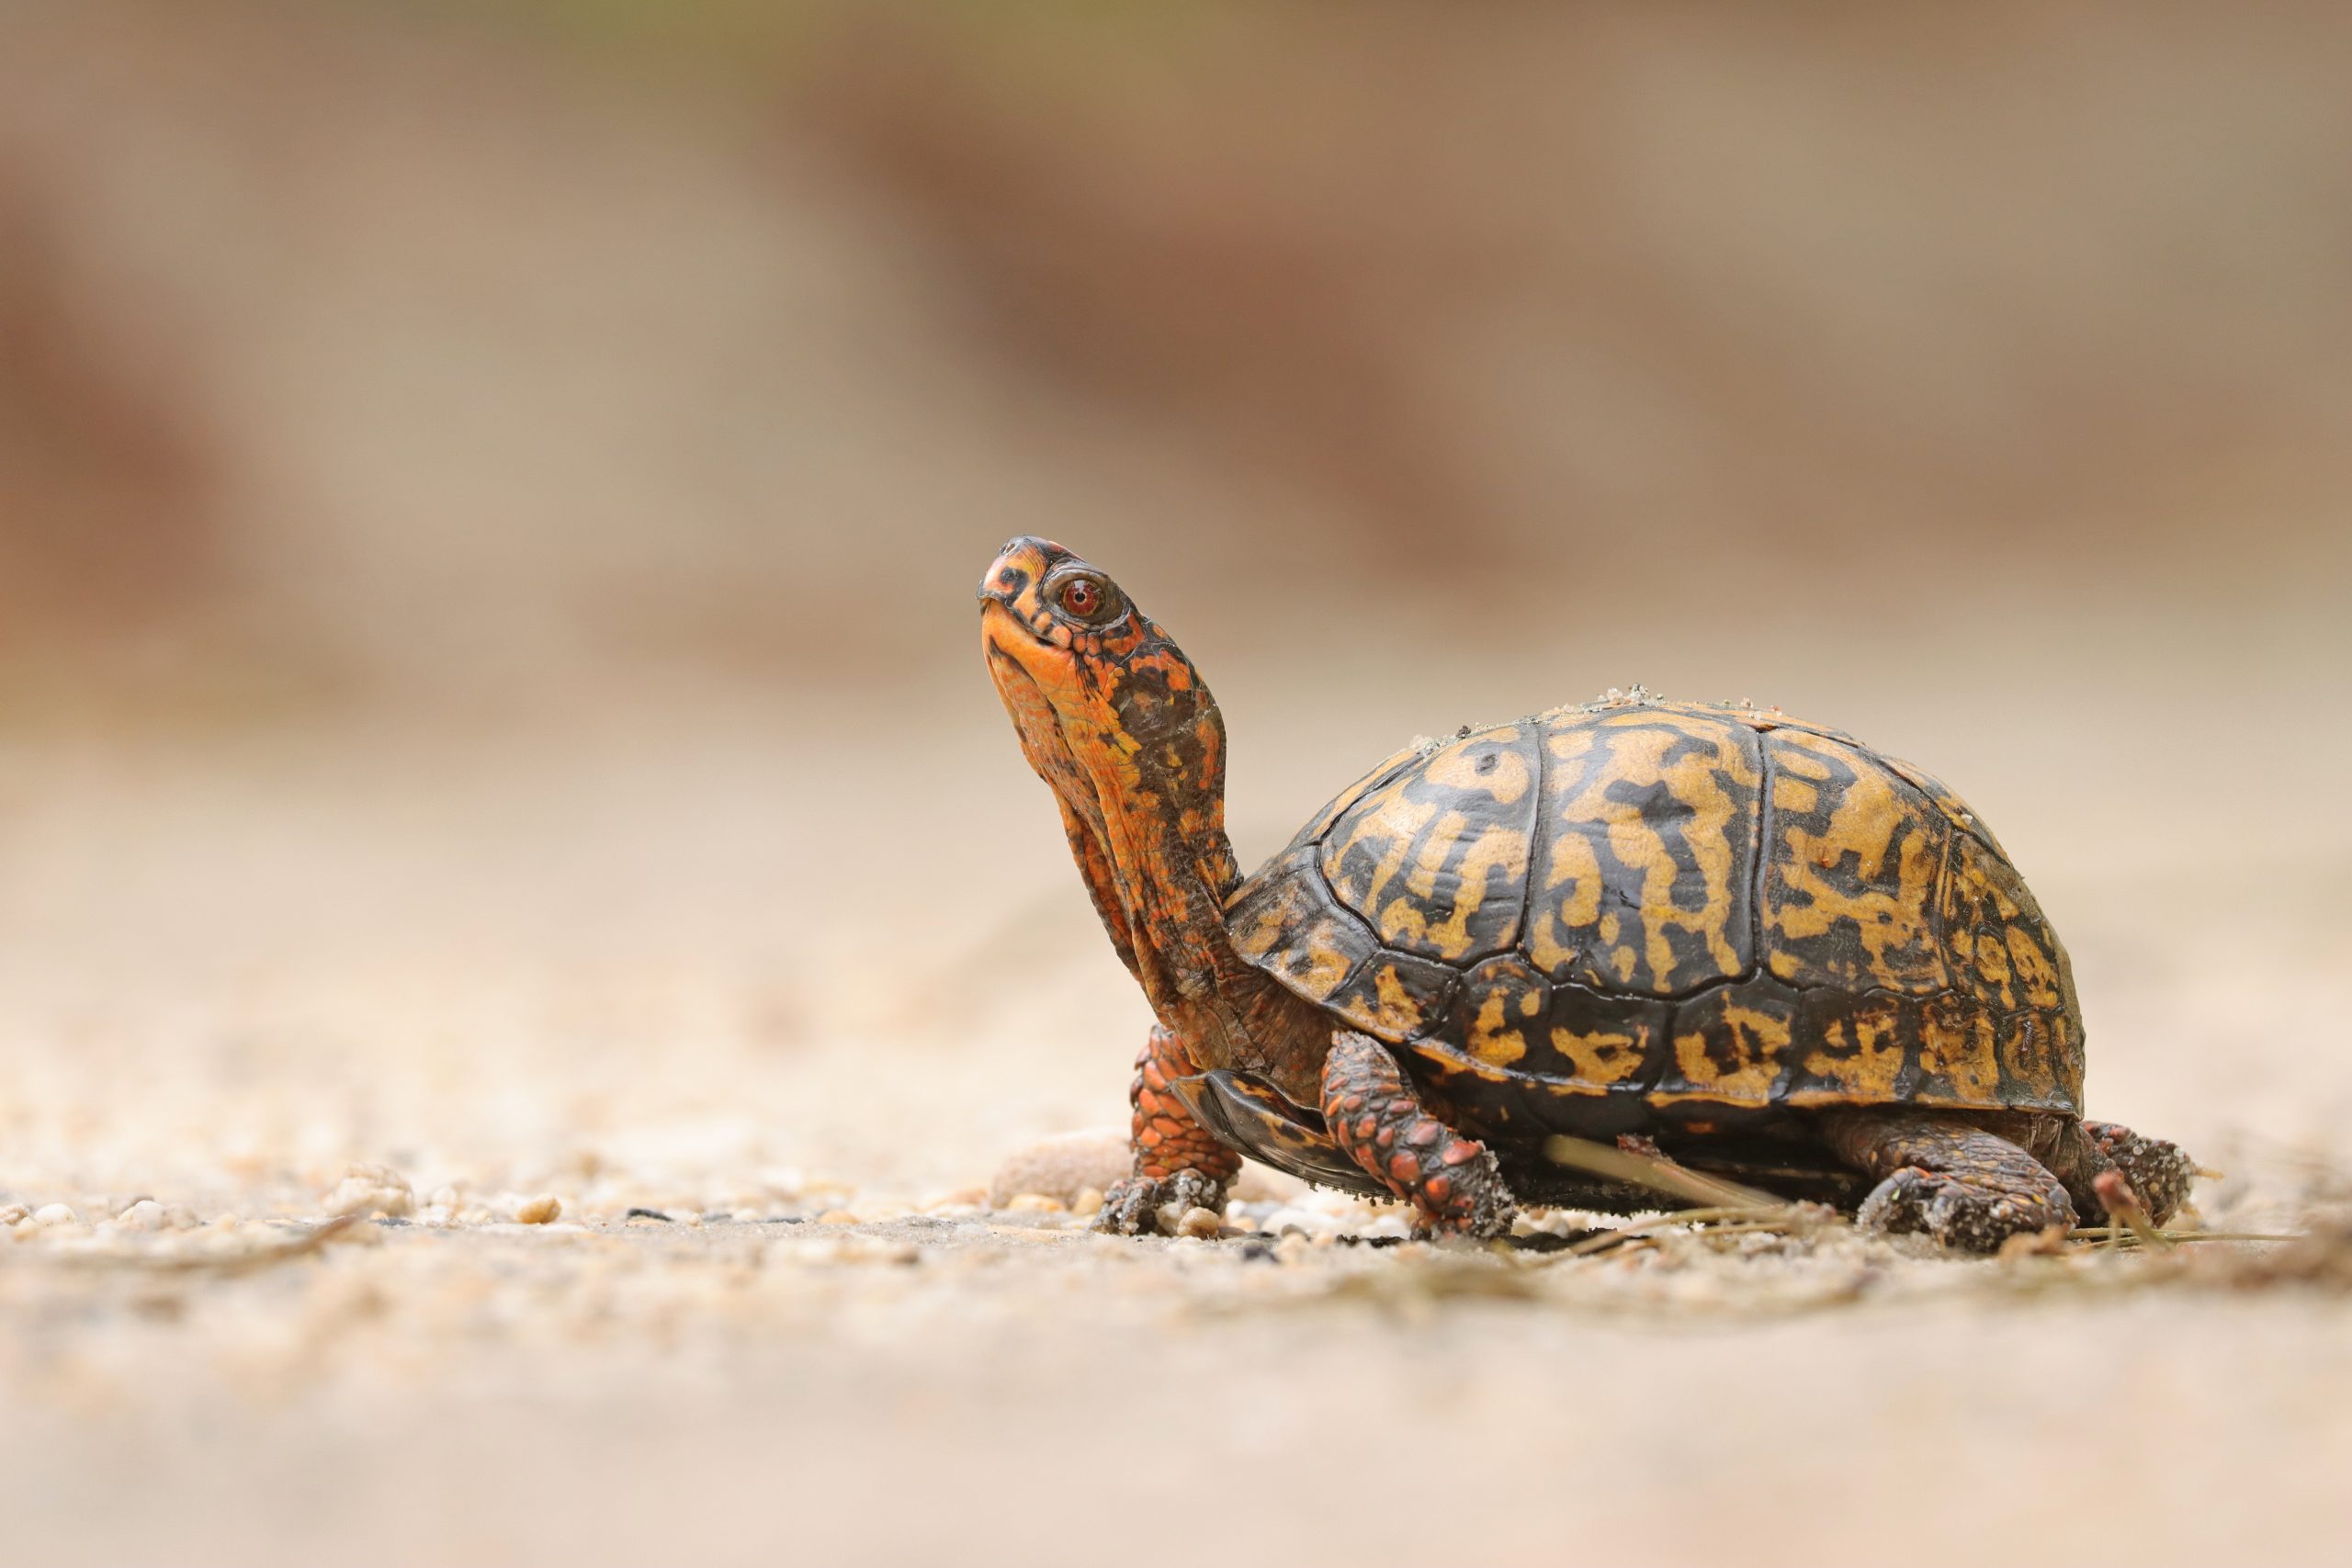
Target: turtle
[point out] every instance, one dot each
(1740, 942)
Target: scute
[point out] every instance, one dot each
(1647, 868)
(1435, 858)
(1851, 869)
(1608, 916)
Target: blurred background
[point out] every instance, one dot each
(490, 496)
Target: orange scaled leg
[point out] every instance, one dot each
(1453, 1182)
(1179, 1164)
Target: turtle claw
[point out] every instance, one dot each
(1972, 1217)
(1133, 1207)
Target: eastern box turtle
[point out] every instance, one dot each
(1754, 941)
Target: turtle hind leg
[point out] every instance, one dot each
(1177, 1162)
(2159, 1172)
(1453, 1182)
(1946, 1174)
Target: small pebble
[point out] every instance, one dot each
(837, 1217)
(1036, 1203)
(55, 1214)
(372, 1189)
(13, 1213)
(1202, 1223)
(1089, 1201)
(1298, 1222)
(538, 1210)
(144, 1215)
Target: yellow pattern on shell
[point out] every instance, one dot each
(1805, 922)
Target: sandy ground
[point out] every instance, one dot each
(569, 785)
(576, 968)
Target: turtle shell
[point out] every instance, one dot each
(1637, 913)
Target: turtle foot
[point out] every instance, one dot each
(2158, 1171)
(1133, 1207)
(1960, 1212)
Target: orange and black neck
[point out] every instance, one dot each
(1116, 719)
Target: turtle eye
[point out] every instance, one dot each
(1084, 598)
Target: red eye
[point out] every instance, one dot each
(1083, 598)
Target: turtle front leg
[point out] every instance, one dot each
(1453, 1182)
(1948, 1175)
(1177, 1162)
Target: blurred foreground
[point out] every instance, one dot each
(489, 506)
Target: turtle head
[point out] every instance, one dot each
(1113, 717)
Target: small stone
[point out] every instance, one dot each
(747, 1215)
(962, 1198)
(372, 1189)
(1063, 1166)
(1089, 1202)
(14, 1214)
(1203, 1223)
(1036, 1203)
(55, 1214)
(837, 1217)
(144, 1215)
(538, 1210)
(1291, 1247)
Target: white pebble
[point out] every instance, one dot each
(372, 1189)
(1201, 1223)
(55, 1214)
(144, 1215)
(1298, 1222)
(13, 1213)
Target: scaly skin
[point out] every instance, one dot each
(1179, 1163)
(2160, 1174)
(1948, 1175)
(1931, 970)
(1453, 1182)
